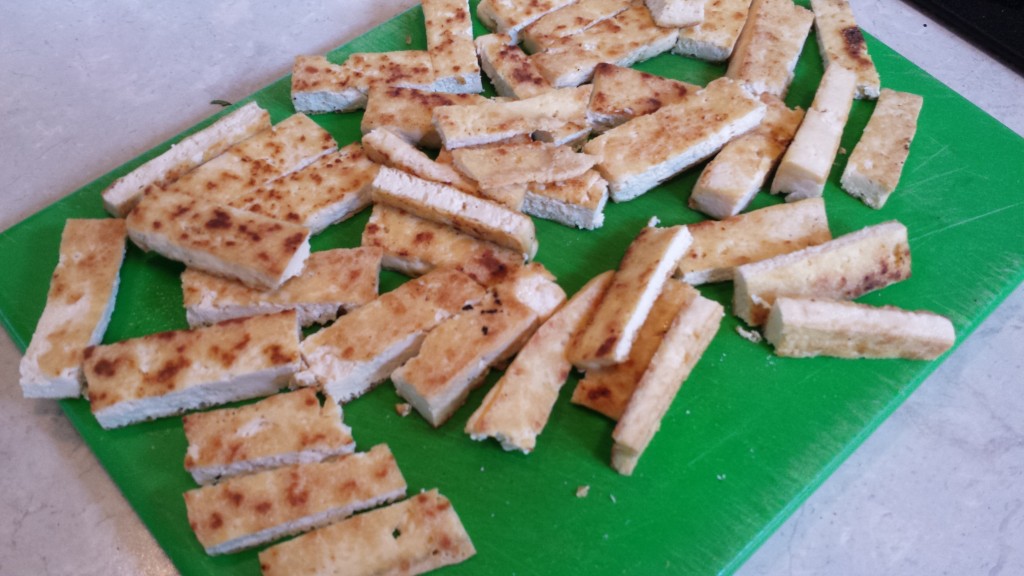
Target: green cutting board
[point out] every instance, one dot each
(746, 441)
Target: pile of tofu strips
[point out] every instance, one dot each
(571, 126)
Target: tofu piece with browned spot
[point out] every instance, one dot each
(844, 268)
(418, 535)
(184, 156)
(621, 94)
(578, 202)
(79, 303)
(570, 20)
(766, 53)
(450, 44)
(361, 349)
(408, 112)
(510, 70)
(720, 246)
(841, 42)
(676, 13)
(247, 511)
(643, 272)
(506, 164)
(169, 373)
(874, 168)
(320, 86)
(258, 251)
(714, 38)
(807, 327)
(284, 429)
(331, 283)
(509, 17)
(516, 410)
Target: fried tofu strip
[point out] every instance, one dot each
(509, 17)
(489, 122)
(244, 512)
(389, 149)
(258, 251)
(844, 268)
(414, 246)
(840, 42)
(79, 303)
(648, 150)
(327, 191)
(625, 39)
(192, 151)
(719, 247)
(364, 347)
(608, 390)
(769, 46)
(332, 282)
(319, 86)
(571, 20)
(733, 177)
(621, 94)
(808, 160)
(282, 430)
(681, 348)
(458, 354)
(172, 372)
(676, 13)
(714, 38)
(510, 70)
(803, 328)
(578, 202)
(409, 112)
(517, 408)
(507, 164)
(481, 218)
(645, 268)
(450, 44)
(418, 535)
(874, 168)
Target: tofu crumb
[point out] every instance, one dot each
(751, 335)
(408, 39)
(403, 409)
(653, 222)
(582, 491)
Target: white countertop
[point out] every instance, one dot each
(90, 84)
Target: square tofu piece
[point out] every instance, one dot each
(510, 16)
(170, 373)
(478, 217)
(803, 328)
(320, 86)
(517, 408)
(608, 390)
(409, 112)
(505, 164)
(450, 44)
(676, 13)
(492, 121)
(841, 42)
(650, 149)
(258, 251)
(414, 246)
(288, 146)
(875, 166)
(649, 261)
(364, 347)
(571, 20)
(734, 176)
(578, 202)
(120, 197)
(328, 191)
(681, 348)
(720, 246)
(511, 72)
(244, 512)
(418, 535)
(332, 282)
(769, 46)
(79, 303)
(284, 429)
(808, 160)
(714, 38)
(625, 39)
(621, 94)
(844, 268)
